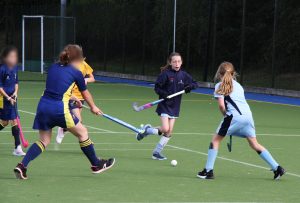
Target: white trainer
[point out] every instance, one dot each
(18, 151)
(60, 135)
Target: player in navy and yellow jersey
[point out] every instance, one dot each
(53, 110)
(87, 73)
(8, 94)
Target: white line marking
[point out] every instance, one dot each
(227, 159)
(101, 143)
(107, 131)
(223, 158)
(31, 113)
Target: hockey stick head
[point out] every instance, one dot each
(136, 107)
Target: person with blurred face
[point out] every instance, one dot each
(8, 95)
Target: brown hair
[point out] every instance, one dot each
(6, 51)
(165, 67)
(70, 53)
(225, 75)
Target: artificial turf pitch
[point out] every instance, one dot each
(62, 174)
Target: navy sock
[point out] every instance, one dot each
(1, 126)
(34, 151)
(88, 149)
(15, 131)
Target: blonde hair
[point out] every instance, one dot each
(163, 68)
(225, 75)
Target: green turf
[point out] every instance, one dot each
(62, 174)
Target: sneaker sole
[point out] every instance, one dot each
(155, 158)
(204, 177)
(104, 169)
(19, 174)
(15, 154)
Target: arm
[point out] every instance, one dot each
(159, 86)
(89, 99)
(15, 94)
(89, 79)
(190, 84)
(12, 100)
(221, 104)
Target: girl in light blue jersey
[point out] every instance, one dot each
(237, 121)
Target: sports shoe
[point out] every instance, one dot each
(206, 174)
(20, 171)
(18, 151)
(140, 136)
(60, 135)
(104, 165)
(158, 156)
(278, 173)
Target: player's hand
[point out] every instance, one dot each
(14, 95)
(96, 110)
(11, 100)
(187, 89)
(78, 103)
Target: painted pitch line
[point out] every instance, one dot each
(227, 159)
(101, 129)
(205, 154)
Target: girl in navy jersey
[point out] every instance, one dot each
(8, 94)
(172, 79)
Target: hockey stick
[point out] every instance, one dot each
(149, 105)
(229, 144)
(22, 137)
(120, 122)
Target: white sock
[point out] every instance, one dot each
(161, 144)
(153, 131)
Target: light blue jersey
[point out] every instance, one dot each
(236, 103)
(238, 120)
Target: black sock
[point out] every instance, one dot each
(16, 133)
(1, 126)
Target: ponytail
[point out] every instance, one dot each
(225, 74)
(165, 67)
(70, 53)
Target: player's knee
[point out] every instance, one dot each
(164, 129)
(83, 135)
(4, 123)
(15, 130)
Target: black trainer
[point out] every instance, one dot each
(20, 171)
(103, 166)
(140, 136)
(206, 174)
(278, 173)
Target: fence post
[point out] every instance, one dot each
(274, 44)
(207, 57)
(242, 42)
(174, 25)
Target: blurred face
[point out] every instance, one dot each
(76, 63)
(11, 59)
(176, 62)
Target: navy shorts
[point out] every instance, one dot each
(7, 111)
(51, 113)
(72, 104)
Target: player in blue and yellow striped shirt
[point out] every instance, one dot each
(53, 110)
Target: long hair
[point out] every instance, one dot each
(165, 67)
(225, 75)
(70, 53)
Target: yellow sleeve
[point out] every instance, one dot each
(88, 68)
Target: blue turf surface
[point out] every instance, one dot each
(249, 95)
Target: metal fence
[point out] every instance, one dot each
(261, 38)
